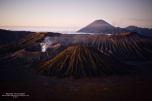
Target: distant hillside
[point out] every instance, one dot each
(142, 31)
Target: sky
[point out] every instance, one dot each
(75, 13)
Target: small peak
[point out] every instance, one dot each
(100, 21)
(132, 26)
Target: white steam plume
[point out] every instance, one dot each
(48, 42)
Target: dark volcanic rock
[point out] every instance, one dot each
(7, 36)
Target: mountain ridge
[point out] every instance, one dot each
(103, 27)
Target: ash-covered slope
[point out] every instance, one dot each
(25, 42)
(128, 46)
(81, 61)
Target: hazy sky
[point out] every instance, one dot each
(75, 13)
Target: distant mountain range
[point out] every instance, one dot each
(102, 27)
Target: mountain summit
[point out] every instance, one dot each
(98, 26)
(100, 23)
